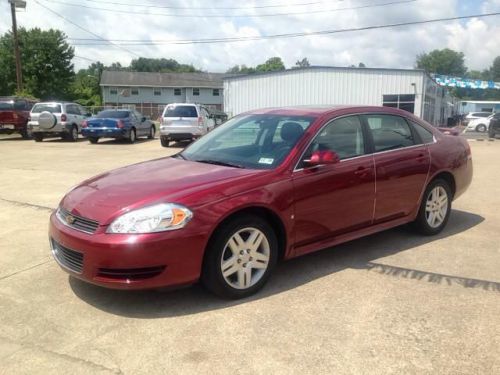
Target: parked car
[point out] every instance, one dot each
(479, 124)
(119, 124)
(56, 119)
(14, 114)
(266, 185)
(494, 127)
(475, 115)
(184, 121)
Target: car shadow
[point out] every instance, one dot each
(122, 141)
(357, 254)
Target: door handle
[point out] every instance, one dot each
(361, 171)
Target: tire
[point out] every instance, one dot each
(164, 141)
(132, 136)
(93, 140)
(152, 132)
(481, 128)
(73, 134)
(38, 137)
(246, 269)
(25, 133)
(434, 210)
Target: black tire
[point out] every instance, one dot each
(38, 137)
(132, 136)
(25, 133)
(73, 134)
(421, 222)
(481, 128)
(164, 141)
(93, 140)
(491, 133)
(212, 277)
(152, 132)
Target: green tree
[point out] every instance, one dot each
(143, 64)
(444, 61)
(46, 63)
(271, 65)
(304, 63)
(495, 70)
(85, 88)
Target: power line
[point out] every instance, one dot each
(84, 29)
(289, 35)
(201, 8)
(321, 11)
(85, 58)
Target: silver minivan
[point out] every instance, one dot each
(184, 121)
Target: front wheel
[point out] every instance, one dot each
(481, 128)
(435, 208)
(132, 137)
(240, 257)
(152, 132)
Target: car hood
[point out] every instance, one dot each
(110, 194)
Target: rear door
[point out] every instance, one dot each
(402, 165)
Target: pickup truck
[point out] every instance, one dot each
(14, 115)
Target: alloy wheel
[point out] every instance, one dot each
(245, 258)
(436, 207)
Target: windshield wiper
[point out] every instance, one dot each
(180, 156)
(218, 162)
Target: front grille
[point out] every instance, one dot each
(77, 222)
(130, 273)
(70, 259)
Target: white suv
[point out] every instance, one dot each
(56, 119)
(184, 121)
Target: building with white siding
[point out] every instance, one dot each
(409, 89)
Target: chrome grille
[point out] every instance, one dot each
(78, 222)
(70, 259)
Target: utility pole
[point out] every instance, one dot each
(19, 74)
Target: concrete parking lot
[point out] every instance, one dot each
(392, 303)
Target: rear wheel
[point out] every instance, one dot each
(38, 137)
(25, 133)
(132, 137)
(93, 140)
(164, 141)
(481, 128)
(435, 208)
(152, 132)
(240, 257)
(73, 134)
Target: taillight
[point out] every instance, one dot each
(64, 117)
(120, 124)
(200, 121)
(85, 124)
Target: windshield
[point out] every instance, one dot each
(180, 111)
(113, 114)
(52, 108)
(250, 141)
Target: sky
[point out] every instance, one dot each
(149, 20)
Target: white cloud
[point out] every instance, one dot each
(394, 47)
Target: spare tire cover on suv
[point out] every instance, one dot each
(47, 120)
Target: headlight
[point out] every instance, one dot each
(157, 218)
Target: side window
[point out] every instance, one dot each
(389, 132)
(277, 134)
(70, 109)
(343, 136)
(425, 135)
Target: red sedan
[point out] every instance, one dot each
(267, 185)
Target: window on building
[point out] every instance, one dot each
(215, 92)
(196, 92)
(405, 102)
(113, 91)
(177, 92)
(134, 92)
(389, 132)
(157, 92)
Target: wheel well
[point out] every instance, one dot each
(266, 214)
(448, 177)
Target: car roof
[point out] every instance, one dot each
(320, 110)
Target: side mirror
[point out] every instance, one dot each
(321, 158)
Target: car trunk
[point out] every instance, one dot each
(102, 123)
(181, 121)
(8, 117)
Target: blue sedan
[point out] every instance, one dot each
(119, 124)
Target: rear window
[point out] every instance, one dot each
(180, 111)
(52, 108)
(13, 105)
(113, 114)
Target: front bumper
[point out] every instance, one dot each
(105, 132)
(119, 261)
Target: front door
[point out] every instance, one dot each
(336, 198)
(402, 165)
